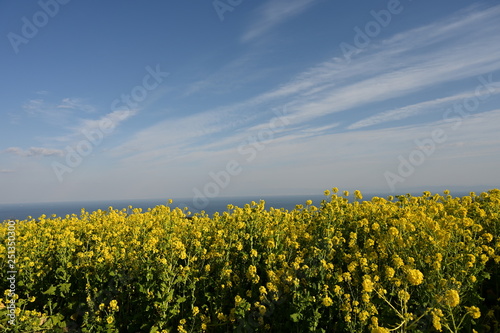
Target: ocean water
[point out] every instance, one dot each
(218, 204)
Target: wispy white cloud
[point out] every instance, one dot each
(396, 66)
(76, 104)
(171, 137)
(71, 122)
(351, 152)
(437, 70)
(359, 159)
(34, 105)
(230, 77)
(419, 108)
(322, 129)
(113, 120)
(6, 171)
(60, 114)
(34, 151)
(273, 13)
(386, 70)
(40, 106)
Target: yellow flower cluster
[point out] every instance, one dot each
(452, 298)
(346, 265)
(415, 277)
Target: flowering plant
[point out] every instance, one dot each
(404, 264)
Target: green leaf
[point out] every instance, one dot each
(56, 320)
(296, 317)
(64, 288)
(50, 291)
(170, 296)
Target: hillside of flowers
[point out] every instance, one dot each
(428, 263)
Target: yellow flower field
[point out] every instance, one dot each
(405, 264)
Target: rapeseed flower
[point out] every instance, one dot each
(389, 272)
(398, 262)
(437, 314)
(113, 305)
(473, 311)
(452, 298)
(327, 301)
(393, 231)
(488, 237)
(415, 277)
(367, 284)
(358, 195)
(403, 295)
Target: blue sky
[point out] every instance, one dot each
(155, 99)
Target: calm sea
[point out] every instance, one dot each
(35, 210)
(219, 204)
